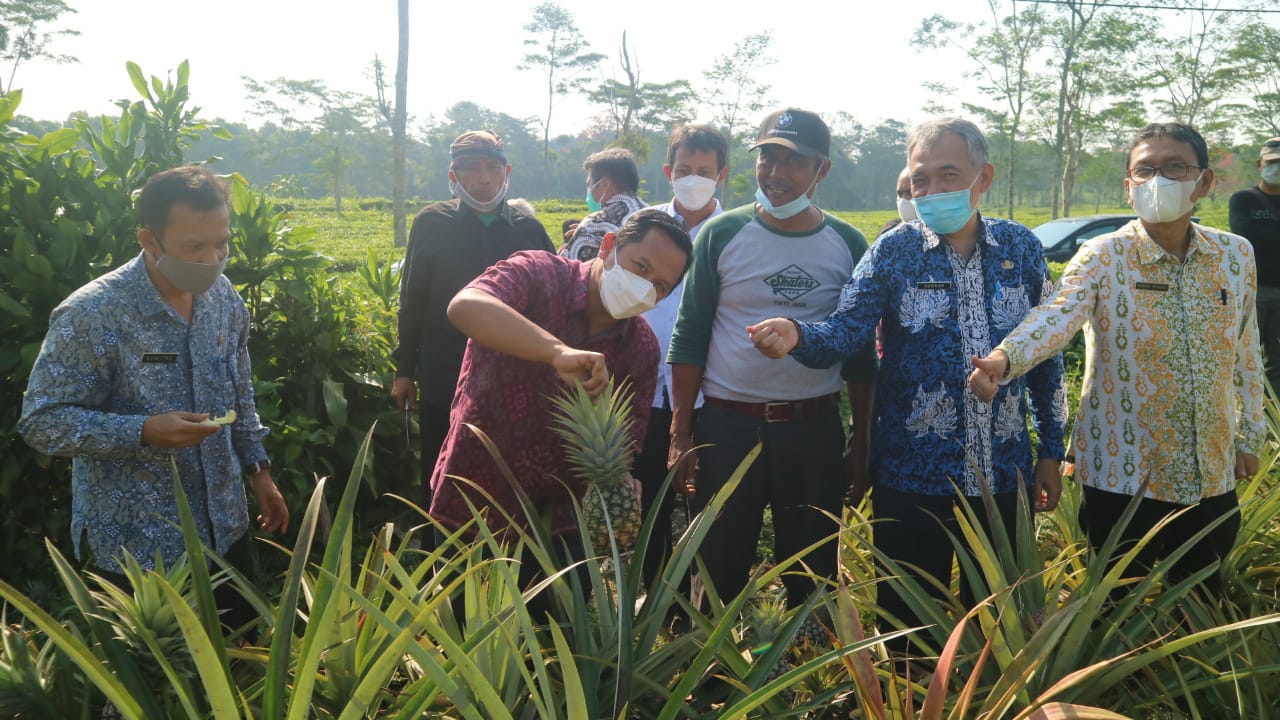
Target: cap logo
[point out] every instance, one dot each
(784, 119)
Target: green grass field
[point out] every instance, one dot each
(348, 237)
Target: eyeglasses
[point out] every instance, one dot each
(1172, 171)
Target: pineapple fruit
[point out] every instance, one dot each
(599, 451)
(763, 624)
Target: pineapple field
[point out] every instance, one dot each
(360, 613)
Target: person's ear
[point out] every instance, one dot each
(987, 176)
(1204, 186)
(452, 177)
(666, 170)
(607, 245)
(149, 242)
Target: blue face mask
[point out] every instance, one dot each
(945, 213)
(786, 210)
(789, 209)
(593, 205)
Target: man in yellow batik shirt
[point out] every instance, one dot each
(1171, 406)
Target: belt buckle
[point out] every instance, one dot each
(769, 408)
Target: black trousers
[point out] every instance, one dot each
(912, 529)
(433, 426)
(1100, 512)
(650, 468)
(799, 474)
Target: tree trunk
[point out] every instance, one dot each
(337, 179)
(1013, 154)
(546, 129)
(399, 140)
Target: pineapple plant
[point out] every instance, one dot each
(764, 623)
(598, 448)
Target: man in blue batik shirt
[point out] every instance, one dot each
(134, 364)
(946, 286)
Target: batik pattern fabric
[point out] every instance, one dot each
(511, 400)
(1173, 374)
(115, 354)
(937, 310)
(584, 246)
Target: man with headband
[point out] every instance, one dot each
(451, 244)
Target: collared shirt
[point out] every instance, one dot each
(937, 311)
(449, 246)
(1173, 375)
(510, 399)
(117, 353)
(585, 244)
(662, 318)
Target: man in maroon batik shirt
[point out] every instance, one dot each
(537, 320)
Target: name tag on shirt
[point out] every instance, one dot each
(933, 286)
(1157, 287)
(158, 357)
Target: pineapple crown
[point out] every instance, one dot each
(596, 432)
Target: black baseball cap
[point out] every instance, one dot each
(800, 130)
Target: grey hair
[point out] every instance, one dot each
(928, 134)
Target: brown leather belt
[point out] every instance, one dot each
(780, 410)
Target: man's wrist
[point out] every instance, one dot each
(799, 332)
(253, 468)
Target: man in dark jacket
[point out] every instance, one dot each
(451, 244)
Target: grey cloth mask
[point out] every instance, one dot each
(192, 277)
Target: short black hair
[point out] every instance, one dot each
(1181, 132)
(191, 185)
(696, 138)
(617, 164)
(639, 223)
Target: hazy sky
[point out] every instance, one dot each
(831, 55)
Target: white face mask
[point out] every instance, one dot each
(693, 192)
(1161, 200)
(906, 210)
(1271, 173)
(480, 207)
(624, 293)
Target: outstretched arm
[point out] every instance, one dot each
(495, 325)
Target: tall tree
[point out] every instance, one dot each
(636, 109)
(398, 117)
(1256, 62)
(1099, 76)
(734, 90)
(1196, 72)
(560, 51)
(1004, 49)
(1070, 31)
(310, 106)
(24, 33)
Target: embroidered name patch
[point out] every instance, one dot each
(1157, 287)
(933, 286)
(155, 357)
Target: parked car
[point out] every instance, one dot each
(1062, 237)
